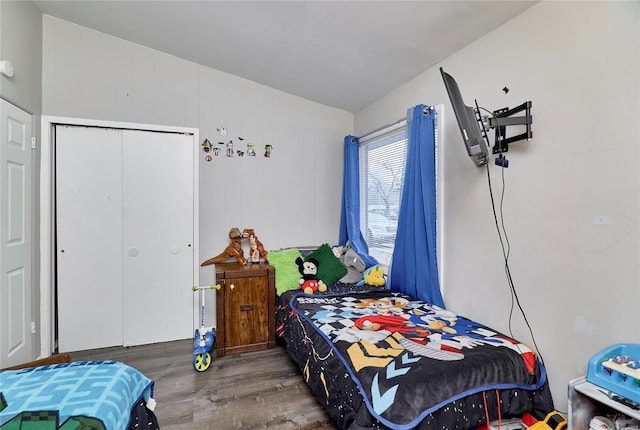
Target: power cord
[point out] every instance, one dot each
(507, 251)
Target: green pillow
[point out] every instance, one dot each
(287, 274)
(330, 269)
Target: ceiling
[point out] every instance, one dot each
(344, 54)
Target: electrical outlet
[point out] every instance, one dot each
(33, 327)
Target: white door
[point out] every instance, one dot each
(16, 339)
(89, 237)
(158, 230)
(125, 236)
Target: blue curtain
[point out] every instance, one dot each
(414, 267)
(350, 213)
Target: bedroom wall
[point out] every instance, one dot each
(571, 203)
(290, 199)
(21, 43)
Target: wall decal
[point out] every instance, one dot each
(231, 150)
(206, 145)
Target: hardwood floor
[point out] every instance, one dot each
(256, 390)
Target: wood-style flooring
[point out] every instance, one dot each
(255, 390)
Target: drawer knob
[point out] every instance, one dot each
(232, 286)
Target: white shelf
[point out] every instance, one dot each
(599, 394)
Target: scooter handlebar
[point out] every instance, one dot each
(206, 287)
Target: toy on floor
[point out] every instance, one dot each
(309, 282)
(204, 337)
(553, 421)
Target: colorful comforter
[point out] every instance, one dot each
(78, 395)
(409, 358)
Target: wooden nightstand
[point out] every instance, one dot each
(245, 308)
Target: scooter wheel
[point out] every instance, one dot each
(201, 362)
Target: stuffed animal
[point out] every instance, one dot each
(309, 282)
(354, 263)
(257, 253)
(234, 249)
(374, 276)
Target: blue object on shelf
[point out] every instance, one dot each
(617, 369)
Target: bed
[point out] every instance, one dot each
(376, 359)
(63, 394)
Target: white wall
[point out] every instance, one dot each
(290, 199)
(21, 43)
(572, 193)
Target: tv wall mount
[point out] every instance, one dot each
(503, 118)
(473, 126)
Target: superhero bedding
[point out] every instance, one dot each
(376, 359)
(88, 395)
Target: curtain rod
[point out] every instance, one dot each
(401, 121)
(383, 128)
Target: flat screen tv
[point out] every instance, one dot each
(473, 134)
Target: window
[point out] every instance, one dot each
(382, 161)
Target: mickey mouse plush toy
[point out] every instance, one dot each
(309, 282)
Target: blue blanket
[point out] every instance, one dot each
(410, 358)
(93, 394)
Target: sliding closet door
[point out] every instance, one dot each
(158, 236)
(89, 238)
(125, 231)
